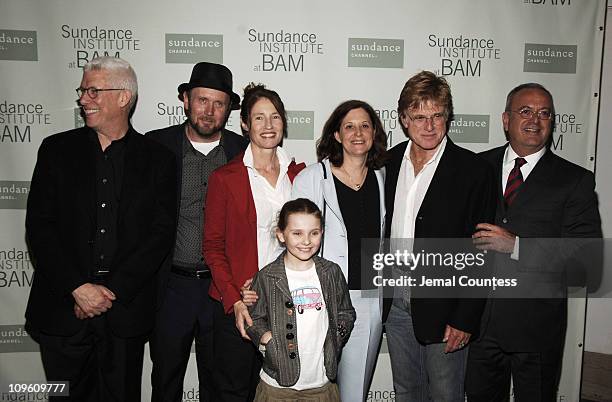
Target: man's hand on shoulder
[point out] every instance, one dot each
(92, 299)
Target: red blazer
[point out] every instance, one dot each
(230, 230)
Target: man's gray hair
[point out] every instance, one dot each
(123, 75)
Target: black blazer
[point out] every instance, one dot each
(557, 200)
(460, 196)
(172, 138)
(60, 224)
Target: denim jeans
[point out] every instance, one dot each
(422, 373)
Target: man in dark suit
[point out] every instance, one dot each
(100, 221)
(434, 189)
(540, 197)
(200, 145)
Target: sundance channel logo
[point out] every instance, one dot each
(470, 128)
(14, 338)
(542, 58)
(18, 45)
(300, 124)
(193, 48)
(376, 53)
(14, 194)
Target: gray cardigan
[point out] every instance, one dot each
(311, 184)
(274, 311)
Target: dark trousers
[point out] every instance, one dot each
(100, 366)
(186, 314)
(237, 362)
(535, 375)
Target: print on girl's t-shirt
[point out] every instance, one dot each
(306, 298)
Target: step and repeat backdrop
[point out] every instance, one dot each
(315, 54)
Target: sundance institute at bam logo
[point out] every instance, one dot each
(549, 2)
(18, 45)
(389, 119)
(16, 269)
(283, 51)
(18, 120)
(375, 53)
(193, 48)
(463, 55)
(543, 58)
(91, 41)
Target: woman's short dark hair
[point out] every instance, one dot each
(254, 92)
(328, 147)
(298, 206)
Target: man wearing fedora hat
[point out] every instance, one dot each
(185, 311)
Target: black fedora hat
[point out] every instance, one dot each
(214, 76)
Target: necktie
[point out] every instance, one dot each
(515, 179)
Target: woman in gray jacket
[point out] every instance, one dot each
(348, 186)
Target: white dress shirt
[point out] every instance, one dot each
(410, 192)
(268, 202)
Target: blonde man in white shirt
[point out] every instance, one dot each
(434, 189)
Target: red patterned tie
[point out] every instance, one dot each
(515, 179)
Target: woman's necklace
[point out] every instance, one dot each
(356, 184)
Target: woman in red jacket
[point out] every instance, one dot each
(242, 204)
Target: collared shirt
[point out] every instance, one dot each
(197, 168)
(508, 164)
(410, 192)
(268, 202)
(109, 180)
(509, 161)
(409, 195)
